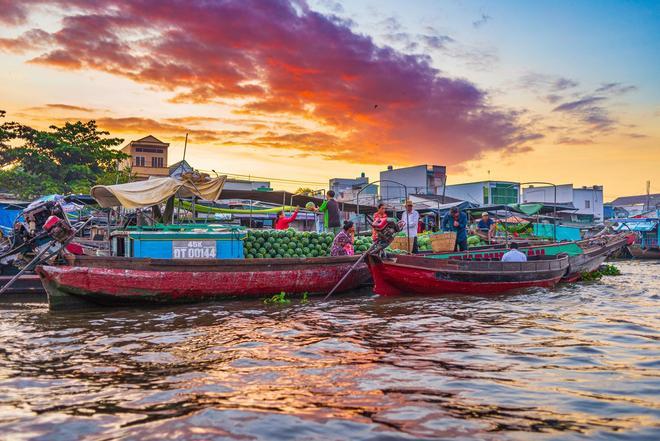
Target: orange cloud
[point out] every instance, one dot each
(274, 59)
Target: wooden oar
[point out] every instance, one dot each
(350, 271)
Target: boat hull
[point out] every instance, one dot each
(644, 253)
(419, 275)
(120, 281)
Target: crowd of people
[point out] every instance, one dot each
(456, 221)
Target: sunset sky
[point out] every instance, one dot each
(560, 91)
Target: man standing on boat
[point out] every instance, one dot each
(409, 224)
(457, 221)
(331, 214)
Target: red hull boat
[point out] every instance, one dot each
(584, 256)
(120, 280)
(422, 275)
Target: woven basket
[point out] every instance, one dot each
(402, 243)
(442, 242)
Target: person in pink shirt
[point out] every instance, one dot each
(378, 216)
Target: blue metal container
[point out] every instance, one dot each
(185, 242)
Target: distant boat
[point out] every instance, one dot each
(410, 274)
(646, 234)
(584, 256)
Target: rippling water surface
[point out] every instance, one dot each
(577, 362)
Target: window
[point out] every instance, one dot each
(157, 162)
(139, 161)
(148, 150)
(587, 204)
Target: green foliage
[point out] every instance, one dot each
(277, 299)
(603, 270)
(609, 270)
(66, 159)
(305, 191)
(590, 277)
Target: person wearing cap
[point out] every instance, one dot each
(486, 225)
(408, 223)
(456, 221)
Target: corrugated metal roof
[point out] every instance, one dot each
(654, 199)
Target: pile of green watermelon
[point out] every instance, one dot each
(362, 244)
(261, 244)
(286, 243)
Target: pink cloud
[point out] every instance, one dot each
(374, 104)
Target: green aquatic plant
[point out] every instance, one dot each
(603, 270)
(304, 299)
(278, 299)
(609, 270)
(590, 276)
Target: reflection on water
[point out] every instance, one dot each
(577, 362)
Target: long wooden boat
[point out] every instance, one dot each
(404, 274)
(121, 280)
(638, 252)
(584, 256)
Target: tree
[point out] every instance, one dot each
(305, 191)
(67, 159)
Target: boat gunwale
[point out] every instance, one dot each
(457, 267)
(207, 265)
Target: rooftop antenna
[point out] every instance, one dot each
(185, 147)
(648, 195)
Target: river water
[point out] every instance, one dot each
(577, 362)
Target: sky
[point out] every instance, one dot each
(302, 91)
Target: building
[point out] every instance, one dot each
(587, 200)
(634, 205)
(349, 190)
(148, 157)
(340, 184)
(418, 179)
(486, 192)
(243, 184)
(179, 168)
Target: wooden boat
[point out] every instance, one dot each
(405, 274)
(584, 256)
(27, 286)
(639, 252)
(121, 280)
(644, 235)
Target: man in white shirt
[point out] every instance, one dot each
(409, 223)
(513, 255)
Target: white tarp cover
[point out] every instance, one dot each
(142, 194)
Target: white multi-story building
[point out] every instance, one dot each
(587, 200)
(486, 192)
(419, 179)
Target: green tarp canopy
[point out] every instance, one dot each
(188, 206)
(528, 209)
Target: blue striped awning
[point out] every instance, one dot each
(636, 226)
